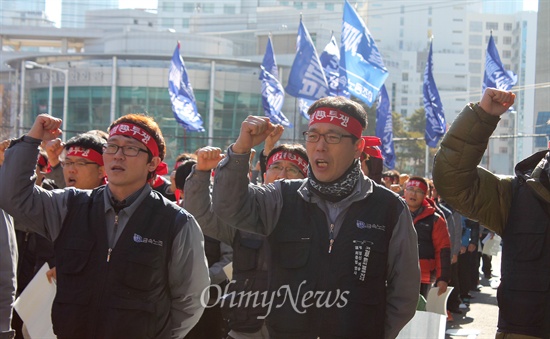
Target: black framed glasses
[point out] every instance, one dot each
(330, 138)
(293, 171)
(129, 151)
(414, 191)
(77, 164)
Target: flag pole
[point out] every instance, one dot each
(426, 167)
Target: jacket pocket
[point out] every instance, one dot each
(528, 243)
(142, 268)
(75, 256)
(71, 313)
(294, 252)
(129, 318)
(246, 257)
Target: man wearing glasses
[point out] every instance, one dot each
(83, 162)
(343, 251)
(434, 243)
(130, 264)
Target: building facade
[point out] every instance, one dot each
(119, 62)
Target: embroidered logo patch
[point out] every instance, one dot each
(362, 225)
(139, 239)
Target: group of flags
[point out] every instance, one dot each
(356, 68)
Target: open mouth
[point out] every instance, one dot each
(117, 169)
(321, 163)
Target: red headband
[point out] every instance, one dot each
(138, 133)
(43, 163)
(294, 158)
(371, 147)
(86, 153)
(337, 118)
(162, 168)
(419, 184)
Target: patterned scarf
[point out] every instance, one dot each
(339, 188)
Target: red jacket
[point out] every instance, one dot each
(434, 243)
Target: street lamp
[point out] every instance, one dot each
(32, 64)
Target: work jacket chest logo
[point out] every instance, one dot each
(363, 225)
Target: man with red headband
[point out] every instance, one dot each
(82, 167)
(372, 161)
(434, 242)
(343, 251)
(250, 250)
(130, 263)
(83, 162)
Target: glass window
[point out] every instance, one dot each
(474, 53)
(405, 76)
(168, 6)
(188, 7)
(476, 26)
(168, 22)
(229, 9)
(298, 4)
(491, 25)
(507, 26)
(474, 67)
(208, 8)
(507, 40)
(475, 40)
(404, 101)
(507, 53)
(329, 6)
(185, 23)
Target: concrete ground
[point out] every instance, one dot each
(481, 317)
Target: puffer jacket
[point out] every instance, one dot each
(434, 244)
(472, 190)
(515, 207)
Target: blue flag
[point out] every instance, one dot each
(330, 60)
(435, 116)
(273, 94)
(183, 101)
(361, 65)
(307, 77)
(384, 128)
(495, 75)
(303, 106)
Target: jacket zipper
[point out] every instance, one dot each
(115, 229)
(331, 238)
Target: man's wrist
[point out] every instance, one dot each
(239, 150)
(28, 139)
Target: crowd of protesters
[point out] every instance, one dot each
(312, 242)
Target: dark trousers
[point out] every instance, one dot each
(465, 263)
(210, 325)
(454, 301)
(486, 266)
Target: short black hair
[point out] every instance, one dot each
(183, 171)
(185, 156)
(86, 140)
